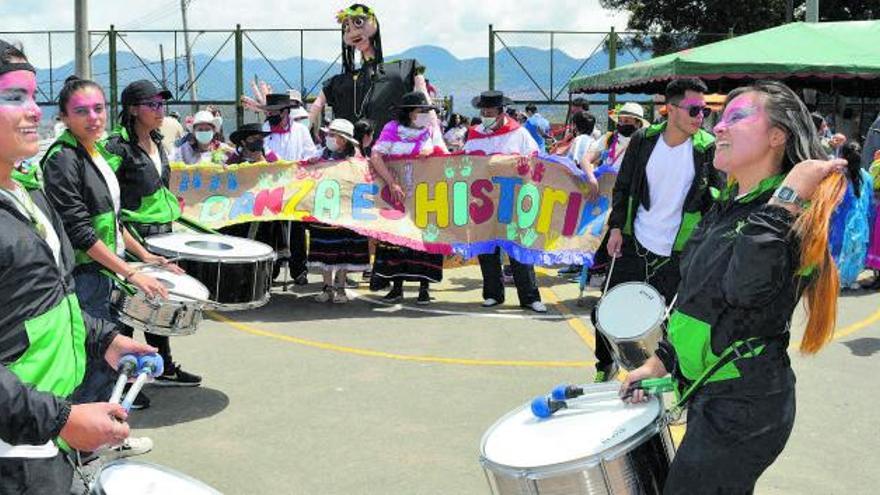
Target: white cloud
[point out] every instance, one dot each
(460, 26)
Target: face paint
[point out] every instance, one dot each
(19, 116)
(742, 137)
(86, 115)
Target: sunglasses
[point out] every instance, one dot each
(695, 110)
(153, 105)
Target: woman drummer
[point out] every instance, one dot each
(45, 339)
(81, 184)
(148, 207)
(745, 268)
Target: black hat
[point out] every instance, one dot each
(415, 99)
(491, 99)
(279, 101)
(142, 90)
(246, 130)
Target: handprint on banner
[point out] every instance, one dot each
(215, 183)
(431, 233)
(184, 182)
(232, 181)
(197, 181)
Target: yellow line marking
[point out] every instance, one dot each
(574, 320)
(398, 357)
(855, 327)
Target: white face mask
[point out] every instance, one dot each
(422, 120)
(204, 137)
(489, 122)
(331, 144)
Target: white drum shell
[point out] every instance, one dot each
(126, 477)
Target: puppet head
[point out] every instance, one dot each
(360, 31)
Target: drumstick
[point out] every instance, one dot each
(152, 366)
(206, 302)
(127, 367)
(143, 266)
(671, 305)
(608, 279)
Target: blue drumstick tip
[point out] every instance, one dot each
(541, 407)
(558, 393)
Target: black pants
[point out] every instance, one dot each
(160, 342)
(633, 264)
(493, 279)
(52, 476)
(732, 436)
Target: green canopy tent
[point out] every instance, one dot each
(834, 57)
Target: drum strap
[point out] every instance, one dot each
(741, 349)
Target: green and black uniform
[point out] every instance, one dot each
(739, 282)
(632, 190)
(148, 206)
(45, 341)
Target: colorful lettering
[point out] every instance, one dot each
(481, 208)
(272, 200)
(327, 207)
(505, 202)
(214, 209)
(439, 205)
(305, 187)
(460, 203)
(525, 218)
(550, 198)
(359, 202)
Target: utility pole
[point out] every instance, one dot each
(812, 10)
(81, 40)
(190, 66)
(789, 11)
(162, 58)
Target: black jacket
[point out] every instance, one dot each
(739, 279)
(631, 187)
(40, 318)
(78, 191)
(145, 195)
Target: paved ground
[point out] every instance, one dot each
(308, 398)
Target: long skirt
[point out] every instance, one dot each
(873, 259)
(402, 263)
(337, 247)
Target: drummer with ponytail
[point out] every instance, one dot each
(759, 250)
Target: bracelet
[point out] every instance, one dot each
(130, 274)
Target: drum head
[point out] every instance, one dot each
(592, 425)
(141, 478)
(183, 285)
(630, 310)
(208, 247)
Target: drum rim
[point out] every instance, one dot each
(651, 329)
(163, 251)
(594, 459)
(206, 294)
(158, 467)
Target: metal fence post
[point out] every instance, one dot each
(551, 66)
(612, 63)
(113, 77)
(491, 58)
(51, 74)
(239, 76)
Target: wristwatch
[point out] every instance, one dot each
(787, 195)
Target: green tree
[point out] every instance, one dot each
(680, 24)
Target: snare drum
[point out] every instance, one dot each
(125, 477)
(599, 445)
(632, 316)
(180, 314)
(236, 271)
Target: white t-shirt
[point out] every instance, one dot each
(22, 201)
(113, 186)
(294, 145)
(579, 147)
(670, 172)
(157, 160)
(516, 142)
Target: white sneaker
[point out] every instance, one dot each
(132, 446)
(538, 307)
(325, 294)
(488, 303)
(339, 296)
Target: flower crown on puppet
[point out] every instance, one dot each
(359, 11)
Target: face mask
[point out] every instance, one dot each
(422, 120)
(254, 146)
(204, 137)
(489, 122)
(331, 144)
(273, 120)
(626, 130)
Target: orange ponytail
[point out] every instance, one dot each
(821, 295)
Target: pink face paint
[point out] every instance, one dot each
(17, 90)
(87, 102)
(739, 110)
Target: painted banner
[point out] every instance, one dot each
(536, 208)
